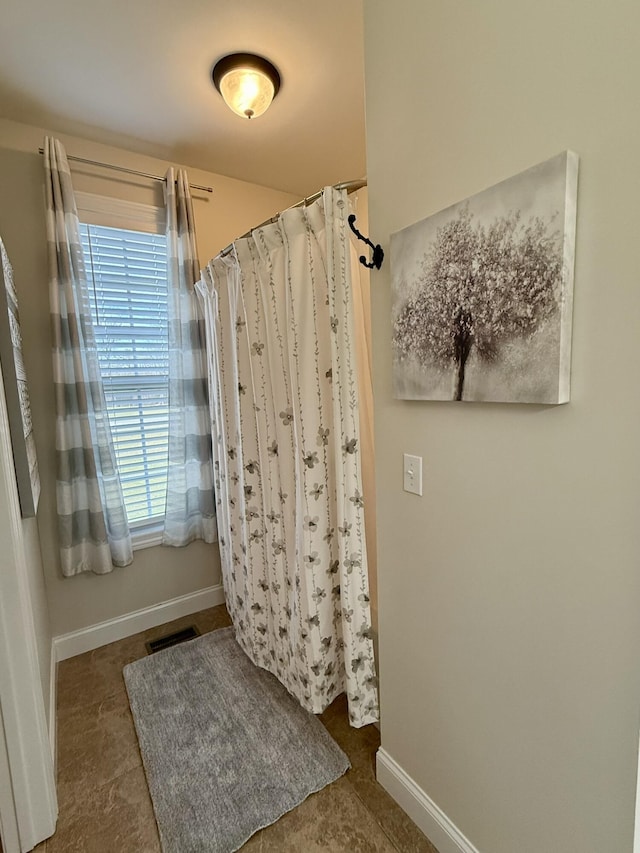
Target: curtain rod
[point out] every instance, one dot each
(127, 171)
(349, 186)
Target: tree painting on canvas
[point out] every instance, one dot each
(16, 392)
(482, 293)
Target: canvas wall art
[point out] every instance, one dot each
(483, 293)
(17, 392)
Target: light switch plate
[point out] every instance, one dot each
(412, 469)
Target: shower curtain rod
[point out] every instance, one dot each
(349, 186)
(127, 171)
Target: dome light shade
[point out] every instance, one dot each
(247, 83)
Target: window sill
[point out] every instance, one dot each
(146, 537)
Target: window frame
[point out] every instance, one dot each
(131, 216)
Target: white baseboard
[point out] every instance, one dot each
(87, 639)
(435, 824)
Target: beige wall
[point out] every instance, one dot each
(509, 594)
(157, 574)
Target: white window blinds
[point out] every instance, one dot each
(127, 272)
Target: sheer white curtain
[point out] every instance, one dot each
(279, 313)
(92, 521)
(190, 510)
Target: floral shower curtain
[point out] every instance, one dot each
(284, 408)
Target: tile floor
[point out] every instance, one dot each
(103, 796)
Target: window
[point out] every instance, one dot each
(127, 276)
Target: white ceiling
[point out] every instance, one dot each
(136, 73)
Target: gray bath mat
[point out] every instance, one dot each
(226, 749)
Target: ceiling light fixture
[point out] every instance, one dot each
(247, 83)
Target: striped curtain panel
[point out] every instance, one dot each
(190, 512)
(92, 522)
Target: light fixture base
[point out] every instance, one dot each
(247, 83)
